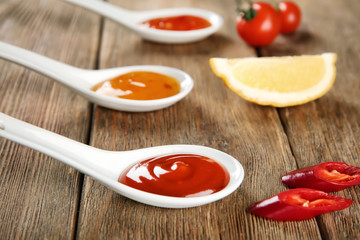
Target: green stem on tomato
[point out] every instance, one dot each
(247, 14)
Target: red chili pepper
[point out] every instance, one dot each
(327, 177)
(298, 204)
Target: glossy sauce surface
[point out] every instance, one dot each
(180, 175)
(178, 23)
(139, 86)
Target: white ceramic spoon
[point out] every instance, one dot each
(133, 19)
(106, 166)
(81, 80)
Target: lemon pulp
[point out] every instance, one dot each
(278, 81)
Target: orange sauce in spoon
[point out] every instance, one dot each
(139, 86)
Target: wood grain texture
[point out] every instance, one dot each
(328, 129)
(43, 199)
(39, 196)
(211, 115)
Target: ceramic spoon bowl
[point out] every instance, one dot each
(82, 80)
(106, 166)
(133, 19)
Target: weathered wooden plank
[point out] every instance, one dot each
(38, 195)
(328, 129)
(211, 115)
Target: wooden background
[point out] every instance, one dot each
(41, 198)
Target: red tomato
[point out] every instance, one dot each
(298, 204)
(261, 29)
(290, 16)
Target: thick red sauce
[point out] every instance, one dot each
(180, 175)
(139, 86)
(178, 23)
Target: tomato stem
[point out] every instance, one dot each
(247, 12)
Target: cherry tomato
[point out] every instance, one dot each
(261, 27)
(290, 16)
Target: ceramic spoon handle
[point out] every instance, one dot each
(70, 152)
(61, 72)
(120, 15)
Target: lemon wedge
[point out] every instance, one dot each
(278, 81)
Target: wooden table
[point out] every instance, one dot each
(41, 198)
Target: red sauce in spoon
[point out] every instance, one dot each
(180, 175)
(139, 86)
(178, 23)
